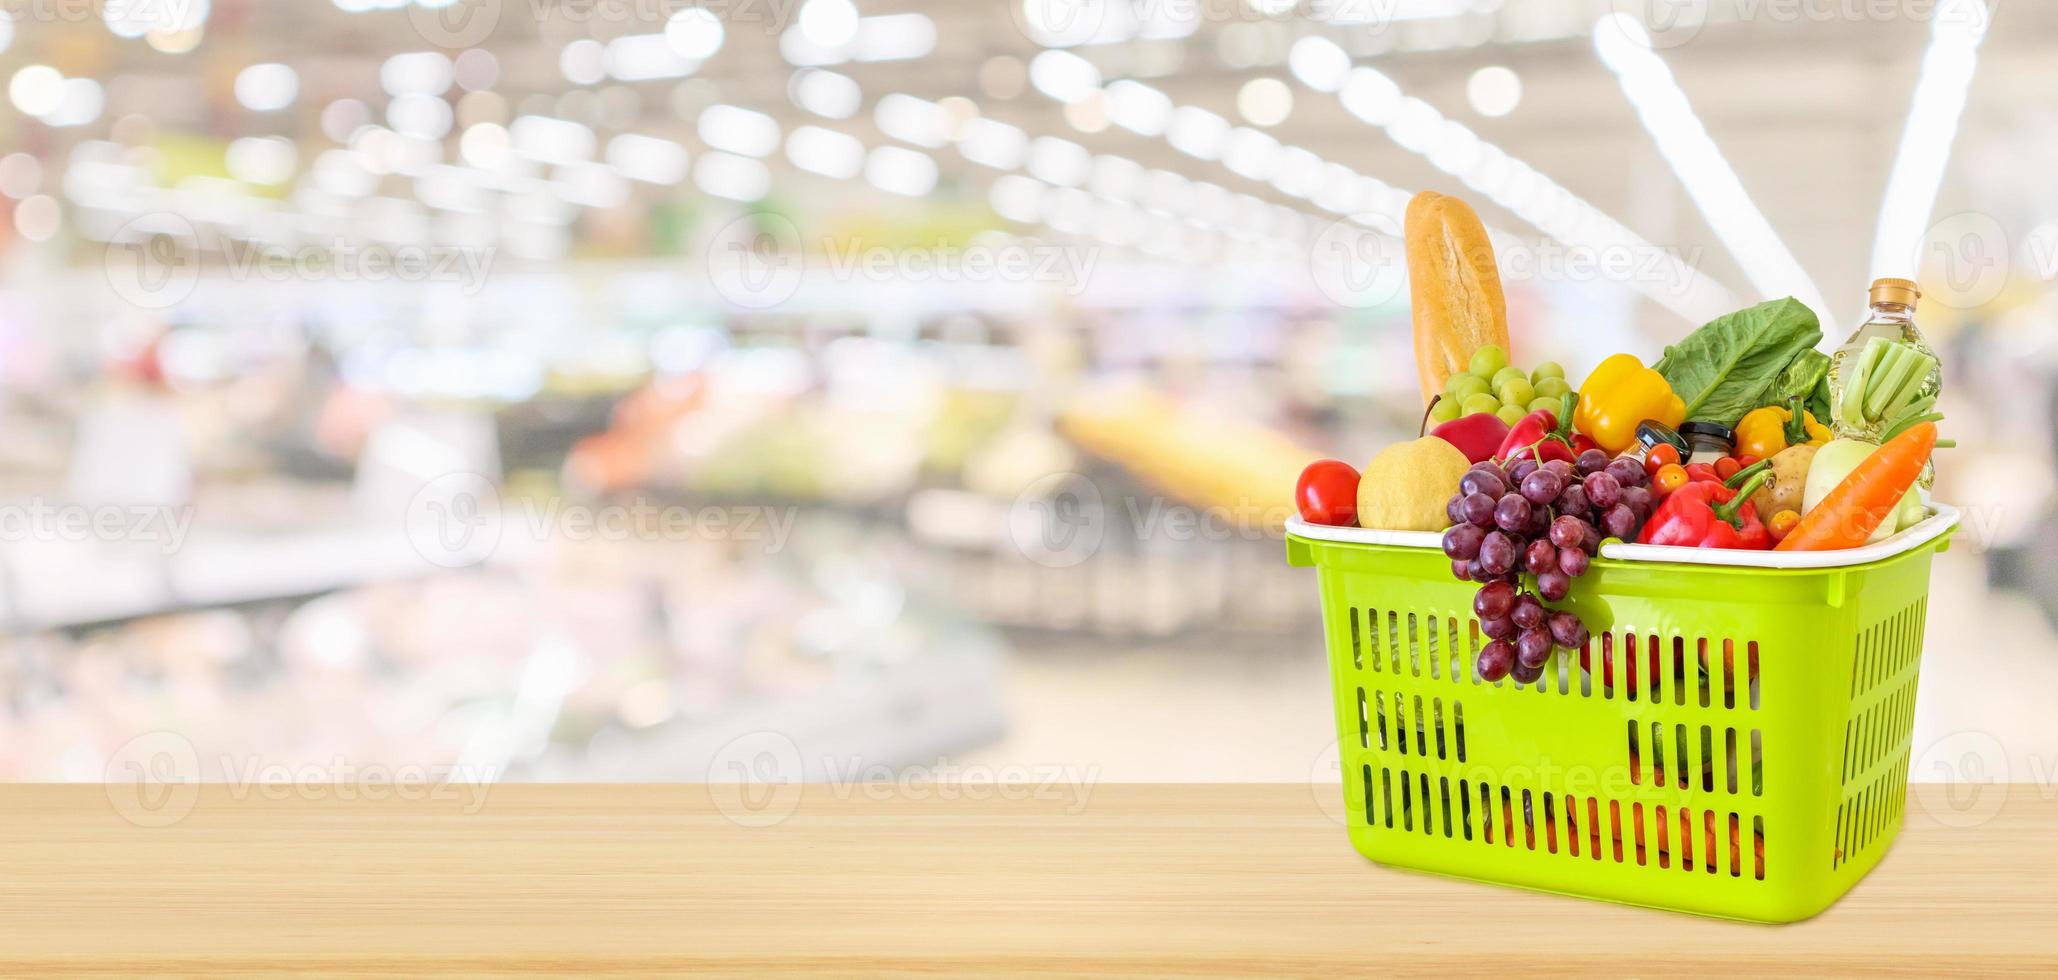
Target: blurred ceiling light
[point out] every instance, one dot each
(342, 118)
(36, 89)
(1494, 91)
(826, 152)
(485, 146)
(1416, 125)
(898, 170)
(1250, 154)
(267, 87)
(828, 23)
(341, 172)
(38, 218)
(79, 101)
(1956, 30)
(733, 177)
(476, 70)
(1699, 164)
(1017, 198)
(1068, 23)
(1390, 11)
(1272, 8)
(264, 160)
(593, 185)
(174, 42)
(422, 116)
(738, 130)
(825, 93)
(1319, 63)
(583, 62)
(1088, 114)
(912, 120)
(423, 72)
(448, 188)
(134, 18)
(6, 30)
(1197, 132)
(481, 107)
(1167, 192)
(1299, 173)
(1264, 101)
(1115, 178)
(801, 52)
(694, 33)
(1137, 107)
(990, 143)
(20, 175)
(642, 57)
(551, 140)
(1369, 95)
(894, 37)
(647, 158)
(1057, 161)
(1063, 76)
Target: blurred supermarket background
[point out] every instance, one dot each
(562, 389)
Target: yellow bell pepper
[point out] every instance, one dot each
(1618, 396)
(1768, 431)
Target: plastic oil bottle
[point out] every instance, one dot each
(1891, 315)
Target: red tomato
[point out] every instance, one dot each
(1660, 455)
(1701, 473)
(1727, 466)
(1328, 493)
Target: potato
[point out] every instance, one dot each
(1782, 491)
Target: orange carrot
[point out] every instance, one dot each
(1859, 504)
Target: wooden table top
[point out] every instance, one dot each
(1160, 880)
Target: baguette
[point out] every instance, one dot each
(1454, 286)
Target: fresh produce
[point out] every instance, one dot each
(1669, 478)
(1618, 396)
(1454, 286)
(1862, 501)
(1709, 515)
(1477, 436)
(1543, 523)
(1786, 488)
(1404, 487)
(1883, 396)
(1807, 379)
(1736, 363)
(1834, 462)
(1488, 385)
(1766, 431)
(1660, 456)
(1782, 524)
(1543, 435)
(1327, 493)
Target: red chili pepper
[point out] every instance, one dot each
(1478, 435)
(1709, 515)
(1542, 434)
(1701, 473)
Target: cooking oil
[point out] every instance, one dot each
(1892, 316)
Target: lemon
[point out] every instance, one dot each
(1406, 486)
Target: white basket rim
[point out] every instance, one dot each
(1942, 517)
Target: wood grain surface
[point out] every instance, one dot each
(1142, 880)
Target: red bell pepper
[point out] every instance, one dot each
(1709, 515)
(1702, 473)
(1477, 435)
(1545, 434)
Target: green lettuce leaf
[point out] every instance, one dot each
(1808, 379)
(1735, 363)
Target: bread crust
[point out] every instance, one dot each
(1454, 285)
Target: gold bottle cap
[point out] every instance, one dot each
(1900, 292)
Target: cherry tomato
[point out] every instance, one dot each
(1669, 477)
(1727, 466)
(1328, 493)
(1746, 461)
(1702, 473)
(1661, 455)
(1782, 524)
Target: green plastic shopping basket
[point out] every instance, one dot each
(1733, 741)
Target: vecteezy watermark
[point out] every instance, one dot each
(757, 779)
(126, 18)
(1064, 519)
(1360, 262)
(154, 780)
(156, 260)
(1671, 23)
(36, 521)
(1961, 780)
(459, 520)
(760, 260)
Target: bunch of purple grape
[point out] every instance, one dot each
(1545, 522)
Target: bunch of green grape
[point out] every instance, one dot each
(1491, 386)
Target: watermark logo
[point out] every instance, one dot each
(1660, 24)
(755, 780)
(1965, 260)
(155, 261)
(756, 261)
(1357, 266)
(37, 521)
(152, 262)
(1061, 23)
(453, 521)
(153, 780)
(454, 23)
(1058, 521)
(1325, 783)
(1968, 773)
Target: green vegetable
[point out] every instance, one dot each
(1883, 394)
(1807, 378)
(1735, 363)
